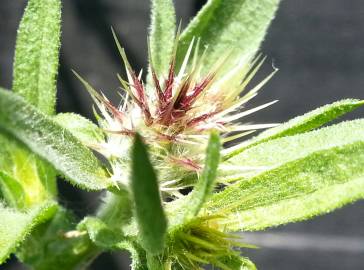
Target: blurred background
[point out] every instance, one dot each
(318, 47)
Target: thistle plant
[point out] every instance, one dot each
(179, 175)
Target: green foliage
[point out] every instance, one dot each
(83, 129)
(102, 235)
(162, 35)
(35, 71)
(27, 180)
(237, 25)
(115, 210)
(50, 248)
(300, 124)
(12, 191)
(15, 225)
(36, 55)
(285, 174)
(272, 154)
(205, 184)
(52, 142)
(295, 191)
(109, 238)
(148, 205)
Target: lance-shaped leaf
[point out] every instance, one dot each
(15, 226)
(300, 124)
(162, 35)
(205, 184)
(274, 153)
(82, 128)
(35, 70)
(150, 216)
(239, 25)
(297, 190)
(51, 141)
(36, 55)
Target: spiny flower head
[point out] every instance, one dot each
(175, 114)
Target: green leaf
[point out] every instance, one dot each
(24, 173)
(295, 191)
(274, 153)
(300, 124)
(52, 142)
(50, 247)
(109, 238)
(35, 71)
(150, 216)
(83, 129)
(15, 226)
(162, 35)
(12, 191)
(47, 175)
(205, 184)
(239, 25)
(36, 55)
(102, 235)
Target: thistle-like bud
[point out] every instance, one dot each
(175, 114)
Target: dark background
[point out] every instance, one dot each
(319, 49)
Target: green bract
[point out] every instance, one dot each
(206, 183)
(174, 195)
(148, 205)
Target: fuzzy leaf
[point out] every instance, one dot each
(274, 153)
(82, 128)
(12, 191)
(108, 238)
(150, 216)
(297, 190)
(15, 226)
(52, 142)
(239, 25)
(300, 124)
(48, 247)
(205, 184)
(35, 71)
(24, 173)
(102, 235)
(162, 35)
(36, 55)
